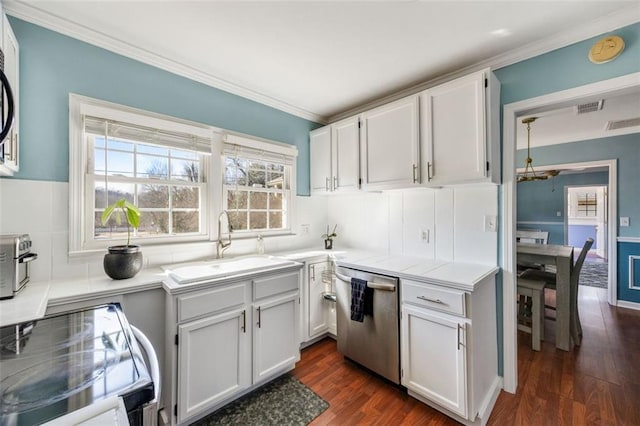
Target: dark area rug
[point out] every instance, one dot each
(284, 401)
(594, 274)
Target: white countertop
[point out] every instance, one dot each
(32, 302)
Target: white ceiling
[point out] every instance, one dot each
(320, 59)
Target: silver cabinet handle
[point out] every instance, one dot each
(259, 317)
(313, 272)
(460, 328)
(326, 183)
(244, 321)
(429, 177)
(415, 174)
(335, 183)
(438, 301)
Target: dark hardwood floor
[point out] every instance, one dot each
(597, 383)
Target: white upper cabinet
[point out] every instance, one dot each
(458, 129)
(320, 160)
(345, 153)
(390, 150)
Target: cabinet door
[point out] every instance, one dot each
(345, 149)
(11, 145)
(320, 160)
(453, 131)
(214, 361)
(390, 153)
(317, 305)
(275, 339)
(434, 358)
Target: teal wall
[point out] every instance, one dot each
(560, 69)
(539, 201)
(53, 65)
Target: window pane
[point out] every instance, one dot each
(99, 165)
(100, 195)
(238, 220)
(257, 178)
(152, 167)
(257, 220)
(120, 164)
(98, 141)
(153, 196)
(275, 180)
(151, 149)
(117, 191)
(153, 224)
(184, 222)
(275, 167)
(258, 200)
(237, 200)
(185, 197)
(119, 145)
(275, 220)
(116, 227)
(275, 200)
(184, 170)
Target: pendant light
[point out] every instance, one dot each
(529, 173)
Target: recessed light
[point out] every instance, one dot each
(502, 32)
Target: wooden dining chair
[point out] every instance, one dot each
(550, 279)
(533, 237)
(531, 309)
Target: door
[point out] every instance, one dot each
(453, 131)
(318, 317)
(275, 342)
(434, 360)
(601, 225)
(345, 151)
(320, 160)
(214, 361)
(390, 148)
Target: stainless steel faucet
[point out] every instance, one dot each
(221, 244)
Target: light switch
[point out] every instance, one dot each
(559, 213)
(624, 221)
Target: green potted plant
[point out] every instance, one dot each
(123, 261)
(328, 237)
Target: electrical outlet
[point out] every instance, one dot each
(624, 221)
(304, 229)
(490, 223)
(424, 235)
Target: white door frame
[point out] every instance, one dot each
(508, 221)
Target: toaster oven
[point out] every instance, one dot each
(15, 259)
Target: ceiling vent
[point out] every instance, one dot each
(589, 107)
(621, 124)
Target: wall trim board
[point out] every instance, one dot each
(539, 223)
(508, 213)
(628, 239)
(628, 305)
(31, 13)
(633, 259)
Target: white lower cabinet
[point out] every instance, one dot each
(318, 315)
(229, 339)
(436, 371)
(449, 348)
(221, 343)
(275, 343)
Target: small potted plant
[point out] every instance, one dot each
(328, 238)
(123, 261)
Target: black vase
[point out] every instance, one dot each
(123, 262)
(328, 243)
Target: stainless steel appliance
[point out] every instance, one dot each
(373, 343)
(64, 363)
(15, 257)
(8, 147)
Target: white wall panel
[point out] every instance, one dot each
(444, 224)
(471, 242)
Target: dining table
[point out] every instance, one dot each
(562, 257)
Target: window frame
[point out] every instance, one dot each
(80, 230)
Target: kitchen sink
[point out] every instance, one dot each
(202, 271)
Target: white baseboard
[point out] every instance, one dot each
(490, 400)
(628, 305)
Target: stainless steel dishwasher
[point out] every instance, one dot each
(373, 343)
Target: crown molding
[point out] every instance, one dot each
(30, 13)
(621, 18)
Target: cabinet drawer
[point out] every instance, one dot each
(210, 301)
(434, 297)
(276, 284)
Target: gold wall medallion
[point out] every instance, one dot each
(606, 49)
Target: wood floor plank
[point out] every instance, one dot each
(597, 383)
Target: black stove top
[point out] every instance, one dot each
(62, 363)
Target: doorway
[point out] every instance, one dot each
(586, 217)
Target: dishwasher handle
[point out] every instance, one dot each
(372, 285)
